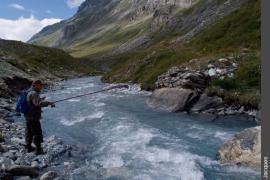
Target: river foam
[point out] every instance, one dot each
(127, 145)
(79, 119)
(131, 141)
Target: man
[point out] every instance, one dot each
(33, 131)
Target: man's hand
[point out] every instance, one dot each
(43, 98)
(52, 104)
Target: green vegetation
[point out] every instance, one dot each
(37, 58)
(237, 33)
(108, 40)
(244, 88)
(239, 30)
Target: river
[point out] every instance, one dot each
(129, 140)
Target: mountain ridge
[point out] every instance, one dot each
(128, 17)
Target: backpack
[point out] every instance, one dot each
(22, 104)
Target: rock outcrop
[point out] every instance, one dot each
(172, 99)
(183, 78)
(205, 103)
(243, 149)
(179, 89)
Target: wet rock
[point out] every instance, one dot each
(11, 154)
(6, 176)
(243, 149)
(172, 99)
(5, 163)
(205, 103)
(23, 171)
(35, 164)
(49, 175)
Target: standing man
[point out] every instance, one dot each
(33, 131)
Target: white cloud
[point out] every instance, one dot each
(74, 3)
(23, 29)
(17, 6)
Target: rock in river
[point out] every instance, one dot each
(172, 99)
(243, 149)
(205, 102)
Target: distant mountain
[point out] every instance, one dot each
(117, 26)
(103, 25)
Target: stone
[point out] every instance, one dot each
(212, 72)
(183, 78)
(205, 102)
(5, 163)
(6, 176)
(243, 149)
(50, 175)
(11, 154)
(234, 65)
(23, 171)
(171, 99)
(35, 164)
(223, 60)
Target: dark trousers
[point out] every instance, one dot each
(33, 131)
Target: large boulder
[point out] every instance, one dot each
(172, 99)
(205, 102)
(243, 149)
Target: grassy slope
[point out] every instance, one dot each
(37, 58)
(231, 35)
(108, 40)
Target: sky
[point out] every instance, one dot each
(21, 19)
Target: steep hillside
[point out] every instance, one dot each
(235, 37)
(106, 28)
(37, 60)
(101, 26)
(233, 34)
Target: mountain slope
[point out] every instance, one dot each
(101, 26)
(106, 28)
(35, 61)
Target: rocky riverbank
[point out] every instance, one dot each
(185, 89)
(14, 156)
(14, 160)
(59, 161)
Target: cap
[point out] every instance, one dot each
(37, 82)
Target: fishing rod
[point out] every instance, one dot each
(87, 94)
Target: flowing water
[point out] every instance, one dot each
(132, 141)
